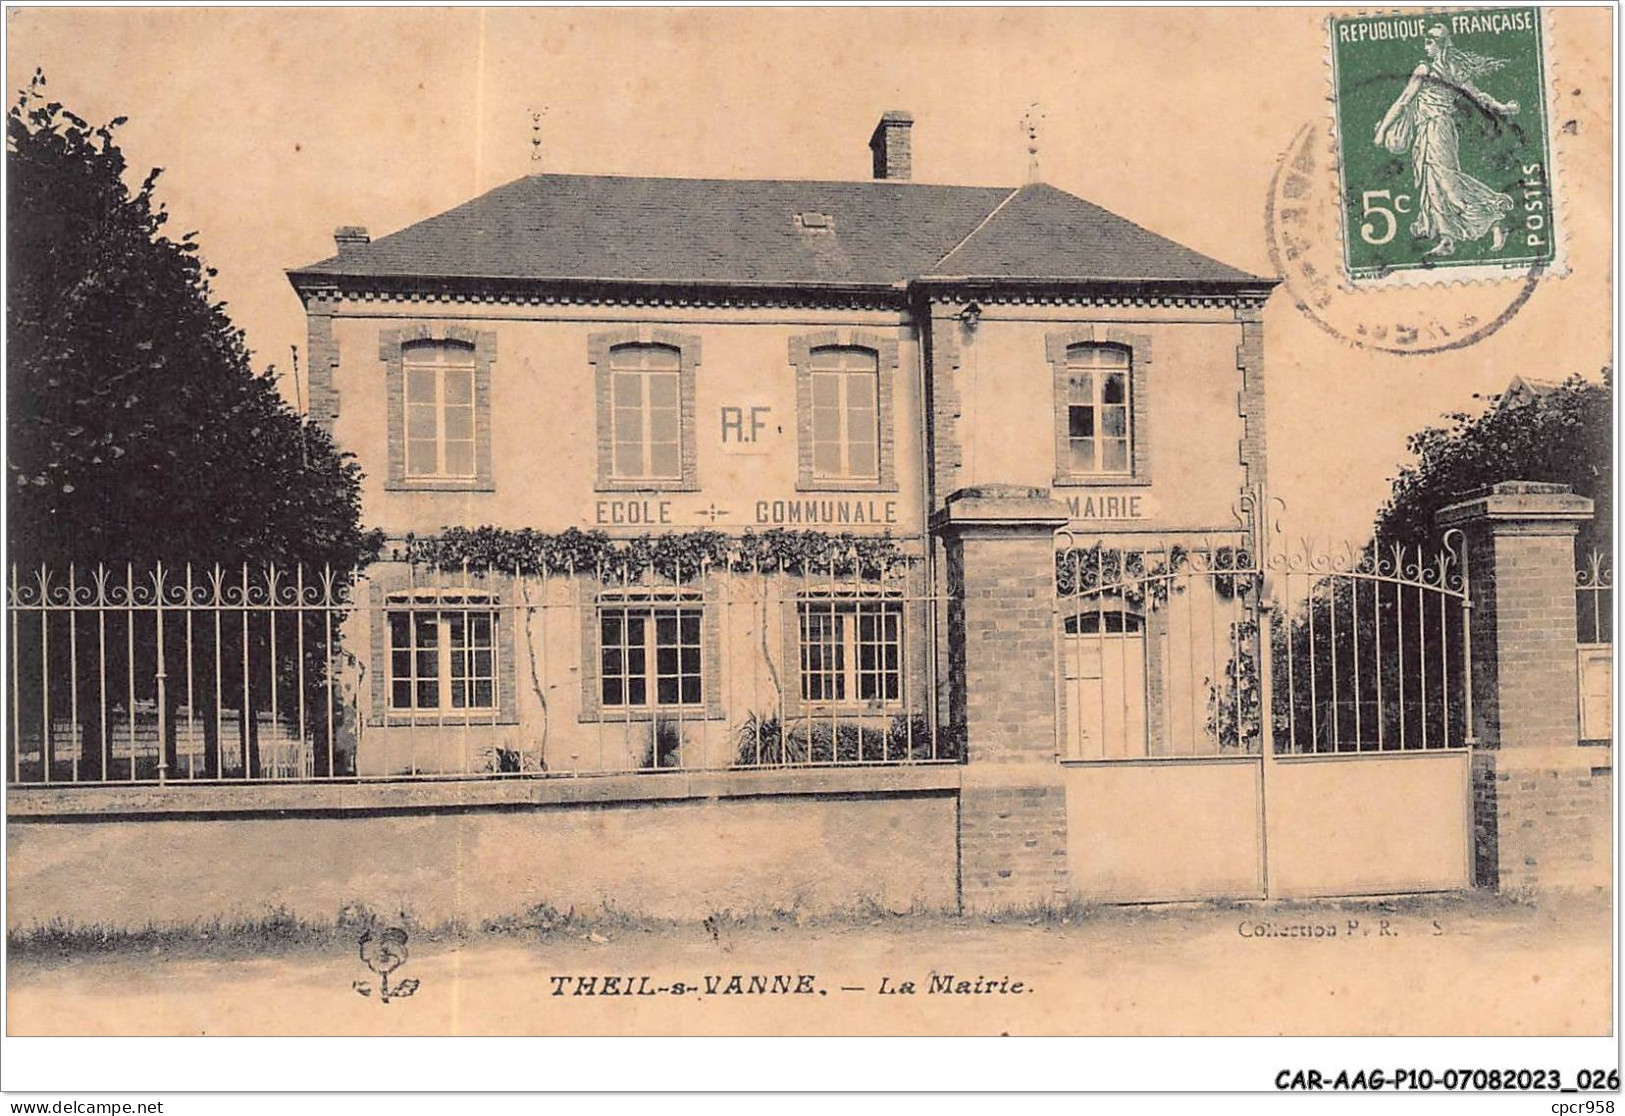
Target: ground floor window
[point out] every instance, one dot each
(650, 650)
(851, 649)
(442, 651)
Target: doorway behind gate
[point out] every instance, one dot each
(1240, 722)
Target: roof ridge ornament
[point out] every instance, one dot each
(536, 138)
(1031, 121)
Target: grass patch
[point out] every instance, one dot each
(278, 930)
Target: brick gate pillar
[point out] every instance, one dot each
(1000, 562)
(1542, 804)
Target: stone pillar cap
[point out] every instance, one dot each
(1002, 506)
(1530, 501)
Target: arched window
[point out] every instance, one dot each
(845, 428)
(646, 417)
(439, 404)
(1116, 621)
(644, 382)
(1098, 412)
(844, 422)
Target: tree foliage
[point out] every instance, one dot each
(139, 432)
(1564, 436)
(138, 429)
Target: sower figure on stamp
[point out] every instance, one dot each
(1451, 204)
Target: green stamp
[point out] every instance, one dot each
(1443, 143)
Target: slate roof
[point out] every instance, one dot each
(731, 232)
(1524, 390)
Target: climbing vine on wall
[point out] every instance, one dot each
(1137, 575)
(678, 556)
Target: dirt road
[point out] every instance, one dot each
(1442, 965)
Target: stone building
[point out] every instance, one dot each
(644, 356)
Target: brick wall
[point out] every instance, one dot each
(1002, 671)
(1250, 402)
(1543, 825)
(322, 356)
(1542, 804)
(1000, 571)
(1012, 845)
(1520, 547)
(1528, 598)
(945, 407)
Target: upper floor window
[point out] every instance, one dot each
(845, 414)
(646, 412)
(438, 384)
(645, 379)
(1099, 428)
(440, 425)
(844, 405)
(1101, 376)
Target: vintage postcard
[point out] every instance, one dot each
(812, 522)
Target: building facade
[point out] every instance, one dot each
(651, 358)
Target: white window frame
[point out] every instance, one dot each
(835, 361)
(1091, 358)
(651, 605)
(437, 357)
(443, 603)
(619, 366)
(848, 677)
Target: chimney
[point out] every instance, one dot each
(350, 237)
(894, 161)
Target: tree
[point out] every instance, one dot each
(1369, 651)
(1564, 435)
(139, 434)
(138, 428)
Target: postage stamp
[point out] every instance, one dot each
(1443, 144)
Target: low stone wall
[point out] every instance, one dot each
(1542, 818)
(675, 846)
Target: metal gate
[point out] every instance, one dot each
(1240, 718)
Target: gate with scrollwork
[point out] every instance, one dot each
(1243, 718)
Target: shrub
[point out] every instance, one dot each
(665, 744)
(763, 741)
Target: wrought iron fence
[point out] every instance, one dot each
(1233, 646)
(1158, 650)
(194, 676)
(1370, 649)
(1594, 638)
(1594, 599)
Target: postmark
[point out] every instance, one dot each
(1443, 146)
(1301, 216)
